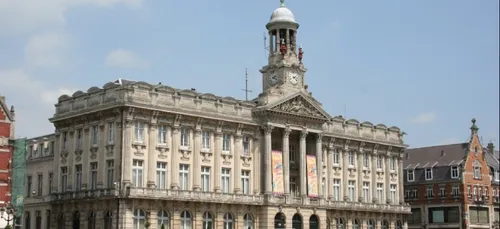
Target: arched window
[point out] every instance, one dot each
(355, 224)
(163, 219)
(186, 220)
(61, 223)
(313, 222)
(340, 223)
(38, 220)
(27, 220)
(76, 220)
(297, 221)
(139, 218)
(279, 220)
(399, 224)
(108, 220)
(248, 221)
(208, 220)
(385, 224)
(370, 224)
(91, 220)
(228, 221)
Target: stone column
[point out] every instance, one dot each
(345, 172)
(374, 177)
(85, 159)
(288, 40)
(196, 159)
(267, 159)
(286, 159)
(278, 41)
(101, 165)
(127, 153)
(152, 140)
(400, 178)
(302, 159)
(271, 45)
(387, 172)
(238, 148)
(217, 160)
(329, 167)
(176, 141)
(319, 164)
(256, 147)
(359, 158)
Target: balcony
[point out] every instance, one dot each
(186, 195)
(84, 194)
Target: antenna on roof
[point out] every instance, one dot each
(246, 85)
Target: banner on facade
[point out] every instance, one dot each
(277, 167)
(312, 178)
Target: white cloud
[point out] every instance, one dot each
(427, 117)
(32, 16)
(46, 50)
(125, 59)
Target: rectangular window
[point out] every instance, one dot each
(350, 157)
(429, 192)
(93, 175)
(366, 191)
(110, 176)
(205, 179)
(205, 140)
(393, 189)
(52, 147)
(477, 172)
(40, 185)
(442, 192)
(292, 153)
(111, 132)
(380, 192)
(184, 176)
(479, 215)
(137, 173)
(454, 172)
(184, 137)
(226, 177)
(161, 175)
(245, 182)
(51, 182)
(29, 182)
(79, 139)
(64, 179)
(366, 160)
(162, 135)
(78, 177)
(410, 175)
(293, 186)
(455, 191)
(139, 132)
(336, 189)
(246, 146)
(392, 163)
(336, 157)
(496, 175)
(351, 188)
(428, 174)
(407, 194)
(380, 162)
(95, 135)
(444, 215)
(415, 217)
(414, 193)
(226, 142)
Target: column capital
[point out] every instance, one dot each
(175, 129)
(286, 132)
(303, 134)
(153, 126)
(268, 129)
(319, 137)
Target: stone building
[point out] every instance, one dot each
(453, 186)
(7, 127)
(136, 155)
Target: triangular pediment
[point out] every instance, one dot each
(301, 105)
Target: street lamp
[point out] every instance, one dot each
(9, 211)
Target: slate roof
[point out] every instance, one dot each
(491, 159)
(434, 156)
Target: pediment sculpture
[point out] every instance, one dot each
(299, 106)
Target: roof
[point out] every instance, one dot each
(6, 110)
(434, 156)
(492, 158)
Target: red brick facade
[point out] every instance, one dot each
(6, 151)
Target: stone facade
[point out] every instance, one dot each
(133, 155)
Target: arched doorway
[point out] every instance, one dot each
(279, 221)
(297, 221)
(313, 222)
(76, 220)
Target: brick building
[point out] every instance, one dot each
(452, 186)
(6, 152)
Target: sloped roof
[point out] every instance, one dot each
(434, 156)
(5, 109)
(491, 159)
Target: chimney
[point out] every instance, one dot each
(407, 156)
(2, 98)
(491, 148)
(442, 153)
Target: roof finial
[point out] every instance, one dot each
(474, 127)
(282, 3)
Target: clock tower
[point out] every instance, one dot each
(284, 73)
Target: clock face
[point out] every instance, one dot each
(273, 79)
(294, 77)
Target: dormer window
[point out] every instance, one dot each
(410, 175)
(428, 174)
(477, 172)
(454, 172)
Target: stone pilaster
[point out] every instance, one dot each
(217, 160)
(286, 159)
(127, 153)
(345, 172)
(237, 153)
(256, 149)
(176, 142)
(302, 159)
(329, 167)
(319, 163)
(152, 141)
(196, 159)
(400, 180)
(359, 160)
(387, 172)
(267, 161)
(374, 177)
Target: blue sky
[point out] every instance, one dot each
(427, 67)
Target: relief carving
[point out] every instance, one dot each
(109, 150)
(299, 106)
(185, 154)
(227, 158)
(78, 154)
(139, 148)
(246, 161)
(206, 156)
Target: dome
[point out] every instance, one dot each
(282, 14)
